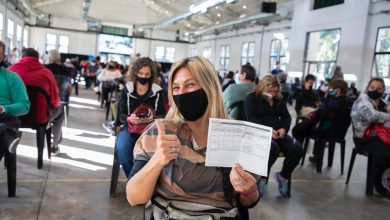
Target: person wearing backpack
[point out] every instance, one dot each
(141, 101)
(369, 108)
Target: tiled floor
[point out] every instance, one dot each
(75, 184)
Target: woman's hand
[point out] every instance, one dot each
(281, 132)
(168, 145)
(242, 181)
(134, 119)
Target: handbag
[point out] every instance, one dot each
(377, 130)
(142, 111)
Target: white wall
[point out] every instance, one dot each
(79, 42)
(356, 48)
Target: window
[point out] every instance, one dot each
(247, 53)
(321, 52)
(19, 36)
(25, 38)
(279, 52)
(224, 57)
(164, 54)
(317, 4)
(193, 52)
(381, 65)
(63, 46)
(51, 41)
(207, 52)
(10, 34)
(1, 26)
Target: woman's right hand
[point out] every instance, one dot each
(168, 145)
(134, 119)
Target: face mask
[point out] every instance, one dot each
(191, 105)
(332, 92)
(111, 66)
(267, 95)
(374, 94)
(143, 81)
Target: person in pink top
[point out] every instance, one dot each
(33, 73)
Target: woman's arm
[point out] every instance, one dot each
(368, 113)
(245, 184)
(285, 116)
(250, 109)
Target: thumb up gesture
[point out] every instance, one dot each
(168, 145)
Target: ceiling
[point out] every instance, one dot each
(156, 14)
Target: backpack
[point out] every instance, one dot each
(142, 111)
(377, 130)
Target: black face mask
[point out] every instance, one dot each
(192, 105)
(143, 81)
(374, 94)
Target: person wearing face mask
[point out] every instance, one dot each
(140, 90)
(336, 101)
(238, 92)
(107, 78)
(266, 106)
(307, 99)
(277, 69)
(169, 158)
(370, 108)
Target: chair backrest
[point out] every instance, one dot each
(240, 110)
(340, 123)
(30, 120)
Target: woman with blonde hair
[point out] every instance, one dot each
(266, 106)
(169, 158)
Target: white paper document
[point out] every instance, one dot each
(232, 141)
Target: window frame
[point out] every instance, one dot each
(246, 56)
(224, 58)
(283, 58)
(374, 67)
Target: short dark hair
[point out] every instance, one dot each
(230, 75)
(376, 79)
(2, 45)
(250, 72)
(30, 52)
(310, 77)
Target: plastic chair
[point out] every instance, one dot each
(358, 149)
(114, 175)
(30, 121)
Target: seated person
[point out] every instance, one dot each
(370, 108)
(108, 77)
(169, 158)
(13, 102)
(238, 92)
(307, 99)
(337, 100)
(265, 106)
(140, 90)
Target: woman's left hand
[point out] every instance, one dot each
(281, 132)
(242, 181)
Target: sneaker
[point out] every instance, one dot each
(283, 185)
(14, 143)
(109, 127)
(262, 187)
(55, 151)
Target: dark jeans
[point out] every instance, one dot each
(8, 127)
(124, 148)
(292, 151)
(380, 160)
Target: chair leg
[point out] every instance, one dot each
(331, 147)
(48, 141)
(353, 156)
(114, 175)
(307, 140)
(320, 154)
(11, 174)
(41, 143)
(342, 155)
(370, 176)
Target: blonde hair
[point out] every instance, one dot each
(266, 82)
(205, 74)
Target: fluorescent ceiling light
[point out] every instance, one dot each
(202, 7)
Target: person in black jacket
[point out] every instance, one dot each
(140, 90)
(266, 106)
